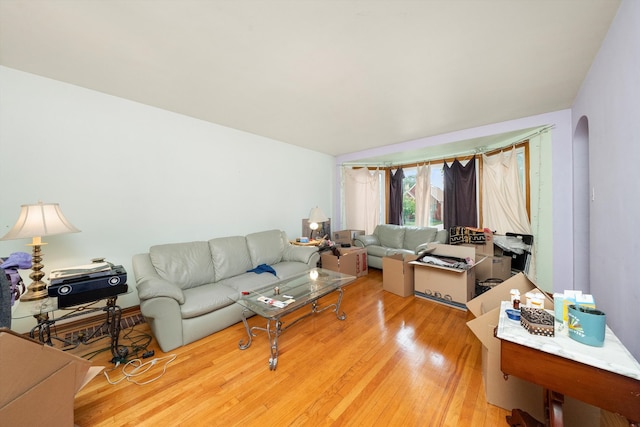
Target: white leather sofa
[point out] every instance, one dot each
(187, 290)
(389, 239)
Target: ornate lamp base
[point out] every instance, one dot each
(37, 289)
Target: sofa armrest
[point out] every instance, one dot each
(366, 240)
(442, 236)
(298, 253)
(150, 284)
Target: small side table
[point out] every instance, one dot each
(40, 310)
(309, 243)
(607, 377)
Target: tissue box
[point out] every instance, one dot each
(537, 321)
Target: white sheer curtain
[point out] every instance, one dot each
(423, 195)
(361, 199)
(503, 202)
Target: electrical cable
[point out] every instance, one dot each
(137, 345)
(139, 368)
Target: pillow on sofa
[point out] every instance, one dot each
(265, 247)
(230, 256)
(415, 236)
(185, 264)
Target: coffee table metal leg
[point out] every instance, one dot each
(336, 306)
(274, 327)
(338, 315)
(273, 341)
(249, 332)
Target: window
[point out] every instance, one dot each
(409, 197)
(437, 189)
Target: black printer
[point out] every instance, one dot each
(86, 283)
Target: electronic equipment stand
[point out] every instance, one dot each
(42, 331)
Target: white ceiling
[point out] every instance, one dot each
(332, 76)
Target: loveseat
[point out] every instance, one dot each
(187, 290)
(389, 239)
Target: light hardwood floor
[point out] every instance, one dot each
(393, 361)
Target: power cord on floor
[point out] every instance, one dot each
(134, 368)
(137, 344)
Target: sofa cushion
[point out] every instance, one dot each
(185, 264)
(287, 269)
(249, 282)
(391, 236)
(379, 251)
(230, 256)
(415, 236)
(265, 247)
(204, 299)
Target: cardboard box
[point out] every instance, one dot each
(352, 261)
(346, 236)
(494, 267)
(487, 248)
(35, 375)
(450, 286)
(514, 392)
(397, 274)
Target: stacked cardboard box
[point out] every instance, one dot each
(496, 266)
(345, 237)
(352, 261)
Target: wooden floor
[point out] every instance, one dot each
(393, 361)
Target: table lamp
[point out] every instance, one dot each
(34, 222)
(316, 217)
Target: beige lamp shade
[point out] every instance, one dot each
(317, 215)
(34, 222)
(41, 219)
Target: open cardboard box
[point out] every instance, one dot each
(352, 261)
(494, 267)
(450, 286)
(346, 236)
(39, 382)
(397, 274)
(514, 392)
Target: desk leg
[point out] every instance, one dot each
(114, 315)
(43, 327)
(553, 402)
(520, 418)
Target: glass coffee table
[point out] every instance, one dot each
(284, 297)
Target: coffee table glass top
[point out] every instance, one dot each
(285, 296)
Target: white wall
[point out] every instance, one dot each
(131, 176)
(610, 99)
(551, 209)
